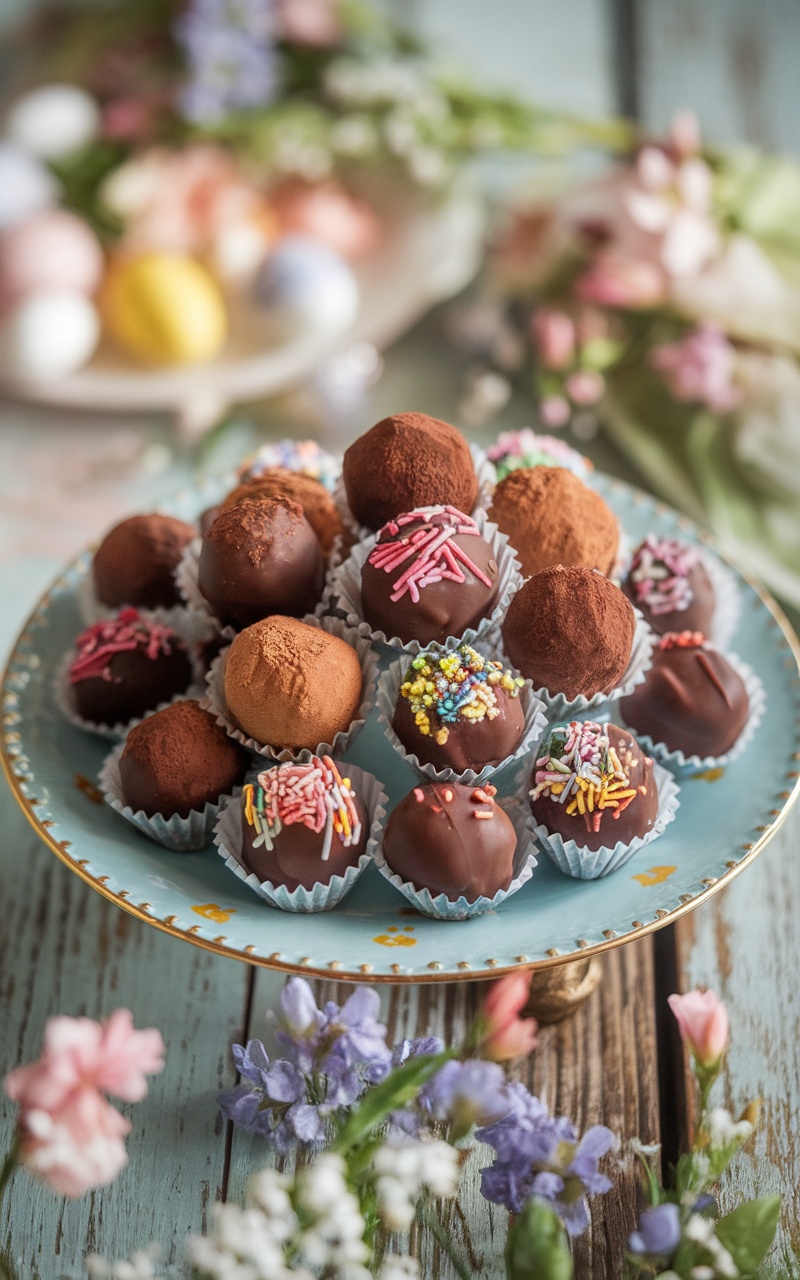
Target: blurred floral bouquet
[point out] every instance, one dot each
(664, 300)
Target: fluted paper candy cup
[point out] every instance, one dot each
(214, 698)
(228, 841)
(583, 863)
(443, 908)
(190, 624)
(727, 599)
(182, 835)
(388, 694)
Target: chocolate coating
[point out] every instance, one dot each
(471, 744)
(136, 561)
(444, 608)
(551, 517)
(405, 461)
(260, 557)
(295, 859)
(634, 821)
(692, 700)
(178, 760)
(135, 684)
(698, 614)
(317, 503)
(440, 845)
(570, 630)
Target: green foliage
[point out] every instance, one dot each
(748, 1232)
(537, 1246)
(398, 1089)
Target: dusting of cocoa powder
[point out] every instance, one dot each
(254, 524)
(570, 630)
(551, 517)
(318, 506)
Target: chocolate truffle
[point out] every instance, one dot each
(430, 575)
(692, 699)
(125, 666)
(552, 517)
(288, 684)
(317, 503)
(302, 824)
(570, 631)
(525, 448)
(136, 561)
(177, 760)
(593, 783)
(408, 460)
(452, 839)
(459, 710)
(260, 556)
(668, 583)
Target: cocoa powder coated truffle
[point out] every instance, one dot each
(136, 561)
(451, 839)
(692, 699)
(317, 503)
(288, 684)
(408, 460)
(260, 556)
(669, 584)
(570, 631)
(178, 760)
(125, 666)
(551, 517)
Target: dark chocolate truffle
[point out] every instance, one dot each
(302, 824)
(408, 460)
(136, 561)
(459, 710)
(592, 783)
(552, 517)
(452, 839)
(260, 556)
(570, 631)
(317, 503)
(430, 575)
(179, 759)
(692, 699)
(126, 666)
(668, 583)
(288, 684)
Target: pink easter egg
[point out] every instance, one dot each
(53, 249)
(328, 213)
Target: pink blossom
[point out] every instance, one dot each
(75, 1147)
(684, 133)
(312, 22)
(505, 1034)
(554, 411)
(700, 368)
(613, 280)
(585, 386)
(328, 213)
(554, 335)
(672, 200)
(703, 1022)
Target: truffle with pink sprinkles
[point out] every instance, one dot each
(668, 582)
(98, 644)
(314, 794)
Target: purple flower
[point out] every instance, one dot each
(659, 1231)
(353, 1031)
(467, 1094)
(228, 46)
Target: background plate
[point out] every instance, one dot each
(721, 824)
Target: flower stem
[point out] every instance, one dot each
(10, 1162)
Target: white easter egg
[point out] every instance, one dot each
(48, 336)
(54, 121)
(304, 282)
(26, 186)
(54, 249)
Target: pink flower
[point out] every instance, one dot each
(504, 1033)
(554, 335)
(554, 411)
(703, 1022)
(585, 386)
(312, 22)
(75, 1147)
(700, 368)
(328, 213)
(616, 281)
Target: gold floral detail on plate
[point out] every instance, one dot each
(656, 875)
(88, 788)
(710, 775)
(210, 911)
(393, 938)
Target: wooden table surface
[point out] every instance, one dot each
(63, 949)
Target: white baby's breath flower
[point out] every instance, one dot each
(354, 136)
(701, 1231)
(724, 1131)
(428, 166)
(399, 1266)
(141, 1266)
(702, 1272)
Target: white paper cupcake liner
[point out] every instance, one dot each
(586, 864)
(345, 592)
(680, 763)
(623, 557)
(440, 906)
(484, 471)
(176, 616)
(228, 840)
(65, 700)
(727, 599)
(182, 835)
(388, 693)
(214, 698)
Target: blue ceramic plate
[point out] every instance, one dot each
(722, 823)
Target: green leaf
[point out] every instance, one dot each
(398, 1089)
(537, 1247)
(748, 1232)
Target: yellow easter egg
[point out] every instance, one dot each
(164, 308)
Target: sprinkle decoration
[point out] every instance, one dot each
(583, 771)
(515, 449)
(444, 688)
(314, 794)
(682, 640)
(428, 543)
(660, 574)
(305, 456)
(98, 644)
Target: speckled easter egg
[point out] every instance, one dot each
(54, 121)
(26, 186)
(48, 336)
(52, 250)
(304, 282)
(164, 309)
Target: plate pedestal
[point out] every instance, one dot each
(558, 992)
